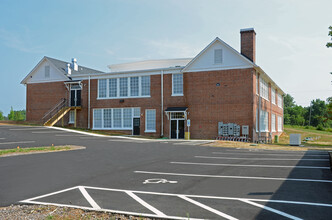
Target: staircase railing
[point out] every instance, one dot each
(53, 111)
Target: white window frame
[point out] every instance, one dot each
(47, 71)
(128, 88)
(173, 93)
(273, 123)
(280, 101)
(146, 121)
(71, 119)
(257, 85)
(273, 95)
(280, 124)
(264, 121)
(264, 89)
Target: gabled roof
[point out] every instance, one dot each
(217, 39)
(61, 67)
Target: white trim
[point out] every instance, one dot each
(234, 177)
(150, 131)
(177, 94)
(219, 68)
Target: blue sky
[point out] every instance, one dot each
(291, 37)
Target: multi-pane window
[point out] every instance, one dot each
(273, 123)
(134, 86)
(279, 123)
(273, 96)
(280, 100)
(150, 120)
(113, 87)
(177, 84)
(71, 117)
(117, 118)
(136, 112)
(145, 85)
(127, 117)
(257, 120)
(107, 118)
(264, 89)
(264, 121)
(97, 118)
(257, 84)
(47, 71)
(218, 56)
(102, 88)
(124, 87)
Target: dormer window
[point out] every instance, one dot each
(217, 56)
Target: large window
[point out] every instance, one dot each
(150, 120)
(264, 121)
(102, 88)
(115, 118)
(124, 87)
(113, 87)
(145, 85)
(273, 96)
(280, 100)
(279, 123)
(134, 86)
(273, 123)
(264, 89)
(177, 84)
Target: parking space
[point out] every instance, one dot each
(166, 178)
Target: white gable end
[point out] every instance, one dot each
(45, 72)
(217, 56)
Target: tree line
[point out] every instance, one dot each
(318, 114)
(13, 115)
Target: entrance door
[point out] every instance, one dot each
(136, 125)
(177, 129)
(75, 97)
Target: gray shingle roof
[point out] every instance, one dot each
(62, 65)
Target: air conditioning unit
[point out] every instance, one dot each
(295, 139)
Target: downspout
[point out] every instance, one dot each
(259, 107)
(162, 103)
(89, 104)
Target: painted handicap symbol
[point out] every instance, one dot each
(158, 181)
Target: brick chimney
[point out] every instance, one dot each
(248, 43)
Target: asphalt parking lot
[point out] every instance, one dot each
(164, 179)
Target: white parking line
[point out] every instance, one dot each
(249, 165)
(2, 138)
(235, 177)
(284, 155)
(69, 135)
(246, 158)
(47, 132)
(88, 198)
(271, 209)
(207, 208)
(18, 142)
(145, 204)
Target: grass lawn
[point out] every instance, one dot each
(31, 150)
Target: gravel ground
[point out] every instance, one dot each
(36, 212)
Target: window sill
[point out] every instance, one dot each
(177, 94)
(265, 98)
(116, 129)
(150, 131)
(126, 97)
(71, 122)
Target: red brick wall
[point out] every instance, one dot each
(41, 97)
(248, 44)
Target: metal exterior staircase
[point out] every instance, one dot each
(56, 113)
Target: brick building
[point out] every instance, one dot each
(158, 97)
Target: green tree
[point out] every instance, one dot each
(288, 101)
(318, 113)
(11, 114)
(1, 115)
(16, 115)
(329, 44)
